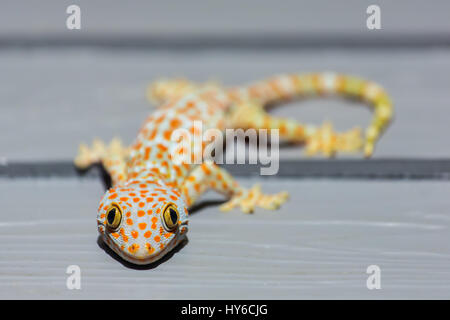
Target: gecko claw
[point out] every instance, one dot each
(247, 200)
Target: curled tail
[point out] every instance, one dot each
(285, 87)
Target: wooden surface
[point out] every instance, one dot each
(60, 87)
(61, 97)
(318, 246)
(107, 20)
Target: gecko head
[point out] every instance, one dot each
(143, 220)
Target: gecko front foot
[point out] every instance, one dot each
(247, 200)
(87, 156)
(329, 142)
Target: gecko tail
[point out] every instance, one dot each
(290, 86)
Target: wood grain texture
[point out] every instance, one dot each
(318, 246)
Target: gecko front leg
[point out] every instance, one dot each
(111, 156)
(210, 176)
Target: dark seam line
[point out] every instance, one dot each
(266, 41)
(390, 169)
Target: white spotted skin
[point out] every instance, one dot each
(141, 237)
(150, 164)
(155, 134)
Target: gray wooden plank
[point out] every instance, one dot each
(223, 19)
(52, 99)
(317, 246)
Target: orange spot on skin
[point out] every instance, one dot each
(161, 199)
(173, 198)
(124, 199)
(141, 204)
(142, 225)
(136, 199)
(148, 234)
(157, 238)
(149, 200)
(158, 210)
(161, 245)
(167, 134)
(154, 219)
(102, 216)
(113, 196)
(153, 226)
(141, 213)
(132, 194)
(124, 236)
(143, 185)
(134, 234)
(149, 247)
(115, 234)
(150, 212)
(175, 123)
(128, 214)
(177, 171)
(206, 169)
(133, 248)
(283, 129)
(162, 147)
(129, 222)
(147, 153)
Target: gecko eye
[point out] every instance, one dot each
(114, 216)
(170, 217)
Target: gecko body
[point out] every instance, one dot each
(144, 215)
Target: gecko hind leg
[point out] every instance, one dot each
(322, 139)
(112, 157)
(248, 199)
(210, 176)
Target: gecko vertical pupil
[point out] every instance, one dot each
(173, 215)
(111, 215)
